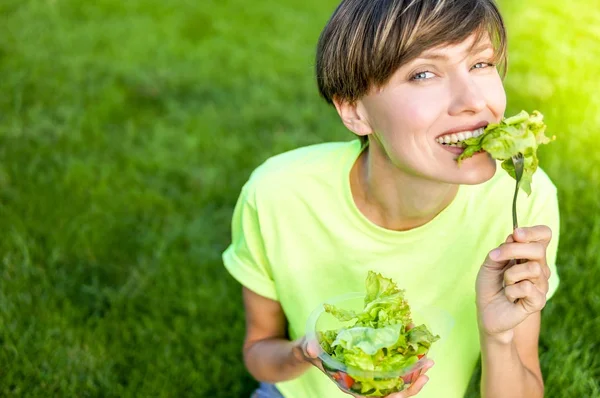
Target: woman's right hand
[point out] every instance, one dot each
(306, 350)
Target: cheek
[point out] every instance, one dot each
(410, 114)
(420, 115)
(403, 126)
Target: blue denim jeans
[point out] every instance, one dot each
(267, 391)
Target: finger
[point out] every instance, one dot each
(413, 377)
(493, 264)
(517, 250)
(414, 388)
(530, 298)
(427, 365)
(312, 349)
(531, 270)
(538, 233)
(310, 352)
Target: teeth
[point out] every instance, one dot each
(463, 135)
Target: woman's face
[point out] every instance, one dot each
(453, 89)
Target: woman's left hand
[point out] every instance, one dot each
(507, 293)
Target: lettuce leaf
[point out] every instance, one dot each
(341, 314)
(377, 286)
(522, 133)
(420, 338)
(384, 305)
(379, 387)
(369, 340)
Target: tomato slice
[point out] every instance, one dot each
(343, 379)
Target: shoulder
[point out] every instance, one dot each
(304, 160)
(298, 169)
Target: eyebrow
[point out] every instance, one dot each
(442, 56)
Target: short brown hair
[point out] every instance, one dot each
(366, 41)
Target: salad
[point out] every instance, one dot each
(520, 133)
(380, 338)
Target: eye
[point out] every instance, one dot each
(483, 65)
(422, 75)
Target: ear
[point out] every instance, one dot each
(354, 116)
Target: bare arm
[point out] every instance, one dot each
(511, 366)
(269, 356)
(510, 298)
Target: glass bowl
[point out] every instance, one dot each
(367, 382)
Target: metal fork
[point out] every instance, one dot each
(518, 163)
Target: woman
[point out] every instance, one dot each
(409, 78)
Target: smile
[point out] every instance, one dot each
(455, 139)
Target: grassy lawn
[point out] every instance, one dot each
(126, 131)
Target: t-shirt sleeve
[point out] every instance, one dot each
(545, 211)
(245, 258)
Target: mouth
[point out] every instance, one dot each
(456, 138)
(452, 140)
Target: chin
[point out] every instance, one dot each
(477, 172)
(472, 171)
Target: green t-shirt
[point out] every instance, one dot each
(298, 238)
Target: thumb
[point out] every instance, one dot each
(491, 262)
(311, 348)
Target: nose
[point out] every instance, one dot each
(466, 97)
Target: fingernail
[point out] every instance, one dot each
(495, 254)
(519, 232)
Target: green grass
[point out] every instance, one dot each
(126, 132)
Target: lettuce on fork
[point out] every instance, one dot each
(520, 133)
(380, 339)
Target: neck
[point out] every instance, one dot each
(392, 198)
